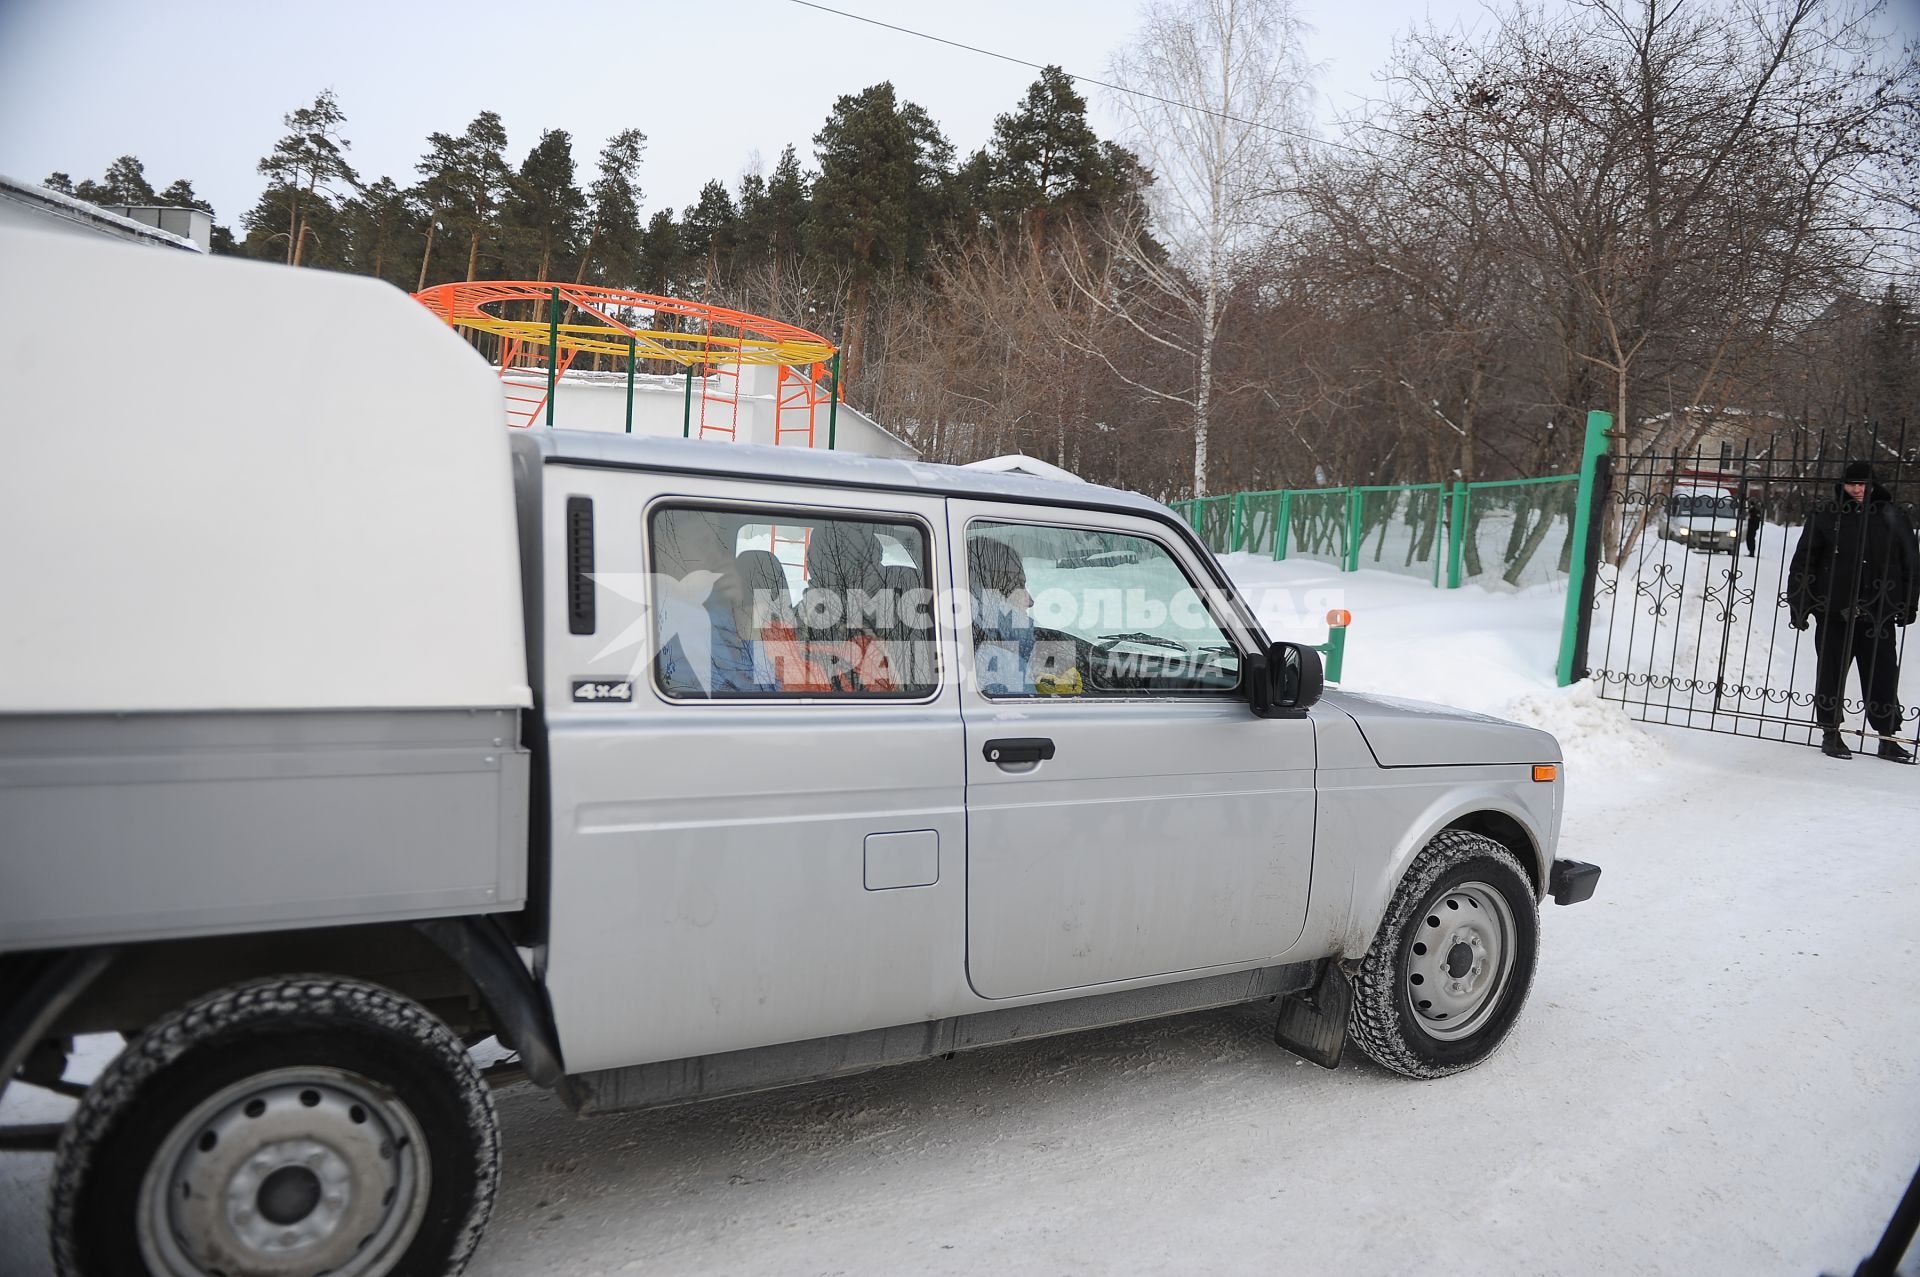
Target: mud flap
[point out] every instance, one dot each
(1313, 1022)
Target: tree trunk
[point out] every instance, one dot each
(473, 255)
(586, 256)
(432, 225)
(1517, 562)
(1203, 392)
(856, 331)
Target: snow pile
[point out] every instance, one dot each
(1493, 652)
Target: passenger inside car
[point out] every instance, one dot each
(844, 611)
(1003, 637)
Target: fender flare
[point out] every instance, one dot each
(1439, 816)
(47, 983)
(517, 1001)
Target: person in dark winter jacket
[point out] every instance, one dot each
(1856, 576)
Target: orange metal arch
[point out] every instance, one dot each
(529, 316)
(604, 320)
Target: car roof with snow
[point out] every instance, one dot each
(820, 467)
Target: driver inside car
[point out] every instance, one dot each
(1003, 637)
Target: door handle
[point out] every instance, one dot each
(1018, 749)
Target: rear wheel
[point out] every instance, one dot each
(293, 1127)
(1450, 967)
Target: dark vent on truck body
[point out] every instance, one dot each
(580, 565)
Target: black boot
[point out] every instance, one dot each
(1833, 747)
(1894, 752)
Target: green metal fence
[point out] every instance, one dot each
(1501, 534)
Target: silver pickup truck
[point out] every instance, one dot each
(341, 732)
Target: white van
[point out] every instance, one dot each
(340, 732)
(1705, 518)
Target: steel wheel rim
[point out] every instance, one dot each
(1459, 961)
(289, 1173)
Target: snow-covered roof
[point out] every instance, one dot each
(53, 207)
(1021, 463)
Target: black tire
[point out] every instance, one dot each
(415, 1078)
(1441, 895)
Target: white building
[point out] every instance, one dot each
(35, 208)
(705, 408)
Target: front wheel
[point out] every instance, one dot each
(291, 1127)
(1451, 964)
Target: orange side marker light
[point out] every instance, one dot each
(1546, 771)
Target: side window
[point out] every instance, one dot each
(758, 604)
(1075, 612)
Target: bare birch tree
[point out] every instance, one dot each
(1217, 85)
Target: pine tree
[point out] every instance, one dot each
(882, 193)
(125, 183)
(782, 219)
(180, 194)
(1045, 161)
(305, 166)
(58, 181)
(710, 230)
(658, 259)
(436, 192)
(378, 225)
(613, 223)
(661, 255)
(546, 208)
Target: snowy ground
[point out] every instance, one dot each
(1719, 1070)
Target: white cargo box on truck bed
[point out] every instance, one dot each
(261, 652)
(231, 485)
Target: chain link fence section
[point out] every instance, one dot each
(1513, 533)
(1503, 534)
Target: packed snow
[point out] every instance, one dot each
(1718, 1071)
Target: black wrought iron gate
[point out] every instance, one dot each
(1697, 593)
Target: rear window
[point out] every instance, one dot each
(789, 604)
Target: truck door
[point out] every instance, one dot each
(1127, 815)
(756, 806)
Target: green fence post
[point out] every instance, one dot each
(833, 403)
(1352, 555)
(1238, 527)
(629, 385)
(1335, 648)
(553, 353)
(1598, 423)
(1456, 531)
(686, 414)
(1286, 520)
(1439, 515)
(1336, 652)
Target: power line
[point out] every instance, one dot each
(1082, 79)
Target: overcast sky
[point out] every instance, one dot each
(197, 88)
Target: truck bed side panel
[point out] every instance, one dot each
(129, 827)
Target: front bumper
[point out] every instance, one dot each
(1571, 881)
(1708, 541)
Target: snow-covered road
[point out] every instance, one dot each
(1719, 1072)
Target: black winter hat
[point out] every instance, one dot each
(1857, 472)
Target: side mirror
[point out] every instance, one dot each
(1285, 680)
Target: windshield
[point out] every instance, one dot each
(1703, 505)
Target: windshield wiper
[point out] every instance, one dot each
(1152, 640)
